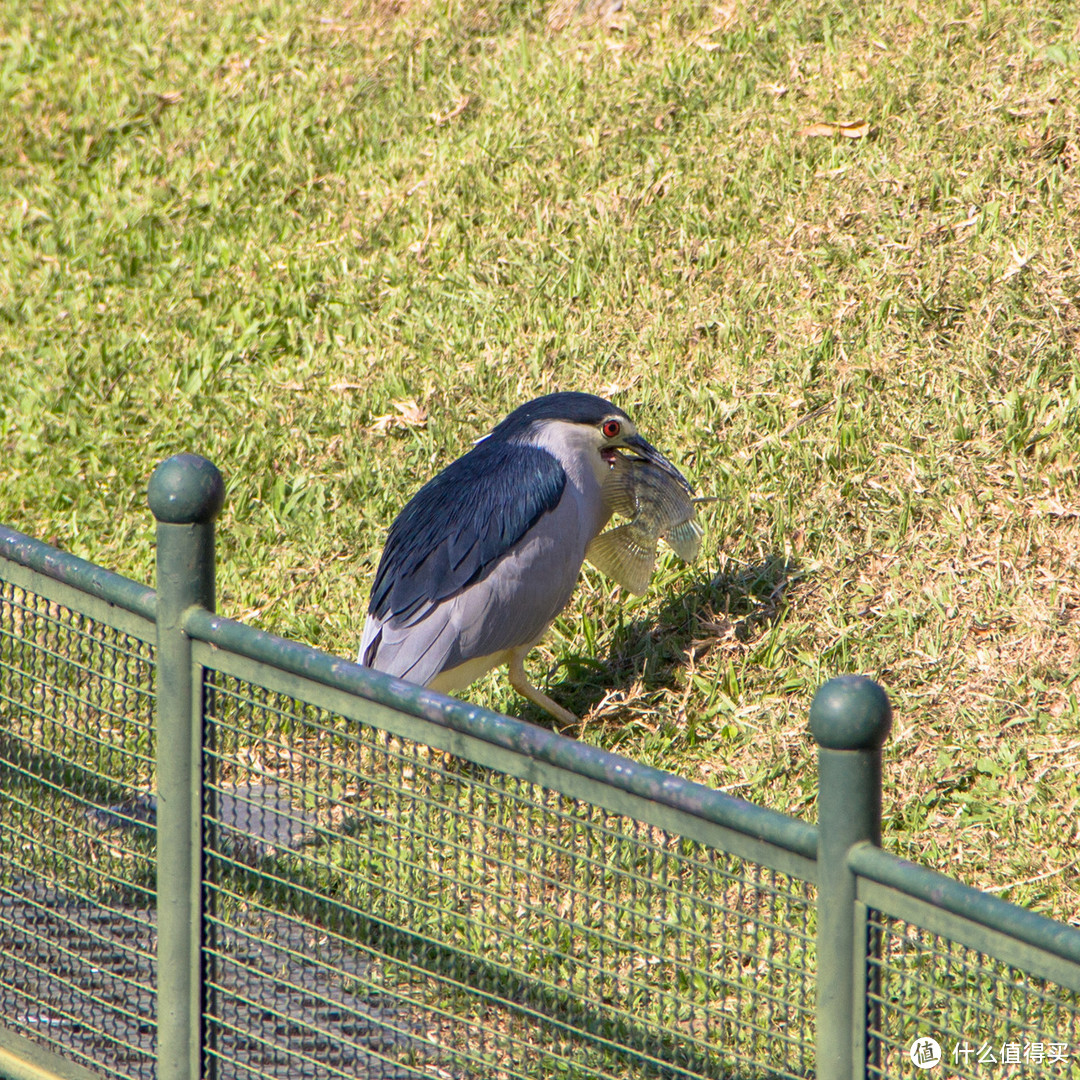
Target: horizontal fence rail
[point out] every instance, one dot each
(523, 750)
(224, 854)
(992, 984)
(976, 919)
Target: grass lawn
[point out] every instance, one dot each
(825, 255)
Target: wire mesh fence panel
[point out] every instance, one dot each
(378, 908)
(932, 999)
(77, 944)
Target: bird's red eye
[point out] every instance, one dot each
(611, 428)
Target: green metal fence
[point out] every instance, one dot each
(223, 854)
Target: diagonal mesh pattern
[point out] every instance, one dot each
(987, 1017)
(76, 834)
(377, 908)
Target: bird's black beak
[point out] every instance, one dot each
(645, 451)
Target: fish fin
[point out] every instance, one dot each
(624, 557)
(685, 539)
(618, 489)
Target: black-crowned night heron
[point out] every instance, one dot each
(485, 556)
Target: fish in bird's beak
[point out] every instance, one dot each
(649, 490)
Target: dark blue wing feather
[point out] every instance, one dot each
(458, 525)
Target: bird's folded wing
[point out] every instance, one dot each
(458, 525)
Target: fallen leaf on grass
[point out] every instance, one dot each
(1017, 263)
(454, 112)
(1054, 507)
(850, 129)
(613, 389)
(408, 415)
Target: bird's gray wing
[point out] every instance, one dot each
(451, 535)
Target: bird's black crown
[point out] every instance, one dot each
(572, 406)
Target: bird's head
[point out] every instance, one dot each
(571, 423)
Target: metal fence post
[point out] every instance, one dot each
(849, 718)
(186, 493)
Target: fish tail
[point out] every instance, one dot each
(625, 555)
(685, 539)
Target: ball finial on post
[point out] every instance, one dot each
(186, 489)
(851, 712)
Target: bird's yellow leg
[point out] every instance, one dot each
(520, 682)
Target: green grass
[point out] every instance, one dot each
(250, 229)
